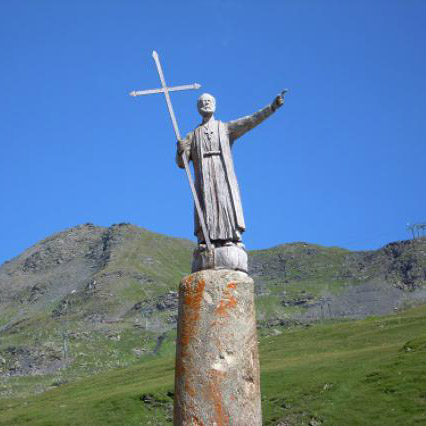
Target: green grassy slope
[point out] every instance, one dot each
(368, 372)
(86, 300)
(89, 299)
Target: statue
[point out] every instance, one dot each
(219, 220)
(209, 148)
(217, 378)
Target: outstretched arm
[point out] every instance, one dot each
(242, 125)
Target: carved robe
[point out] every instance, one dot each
(209, 148)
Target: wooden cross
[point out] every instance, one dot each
(164, 89)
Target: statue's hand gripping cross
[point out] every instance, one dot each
(166, 91)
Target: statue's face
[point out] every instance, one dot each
(206, 104)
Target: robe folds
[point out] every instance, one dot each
(209, 148)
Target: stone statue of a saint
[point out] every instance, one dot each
(209, 148)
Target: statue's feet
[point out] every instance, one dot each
(226, 255)
(203, 246)
(217, 244)
(238, 244)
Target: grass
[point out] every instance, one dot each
(350, 373)
(369, 372)
(142, 268)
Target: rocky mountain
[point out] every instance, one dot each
(92, 298)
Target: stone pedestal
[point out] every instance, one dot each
(217, 365)
(224, 257)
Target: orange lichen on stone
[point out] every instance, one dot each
(228, 301)
(192, 300)
(189, 279)
(221, 418)
(196, 421)
(189, 389)
(192, 297)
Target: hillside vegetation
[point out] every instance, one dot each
(364, 372)
(90, 298)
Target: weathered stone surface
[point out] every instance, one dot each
(224, 257)
(217, 364)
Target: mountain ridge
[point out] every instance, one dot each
(91, 298)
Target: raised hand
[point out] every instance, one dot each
(278, 101)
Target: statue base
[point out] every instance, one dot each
(231, 257)
(217, 379)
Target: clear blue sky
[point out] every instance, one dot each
(342, 163)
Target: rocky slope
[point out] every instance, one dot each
(92, 298)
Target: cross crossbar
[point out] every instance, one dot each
(194, 86)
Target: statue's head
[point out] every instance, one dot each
(206, 104)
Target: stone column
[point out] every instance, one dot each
(217, 365)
